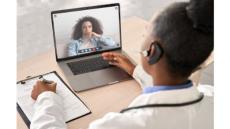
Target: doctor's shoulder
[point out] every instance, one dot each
(207, 90)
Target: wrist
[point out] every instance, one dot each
(45, 93)
(131, 69)
(45, 90)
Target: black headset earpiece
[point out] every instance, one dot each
(158, 52)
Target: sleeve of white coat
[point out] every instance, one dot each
(142, 77)
(49, 113)
(114, 120)
(206, 89)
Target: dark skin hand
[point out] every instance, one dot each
(41, 87)
(120, 61)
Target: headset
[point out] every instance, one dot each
(158, 52)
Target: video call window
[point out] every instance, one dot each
(86, 31)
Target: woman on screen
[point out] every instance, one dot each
(87, 36)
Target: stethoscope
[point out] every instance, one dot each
(165, 104)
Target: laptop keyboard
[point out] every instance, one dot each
(88, 65)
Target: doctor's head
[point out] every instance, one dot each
(85, 26)
(181, 39)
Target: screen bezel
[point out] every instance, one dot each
(80, 9)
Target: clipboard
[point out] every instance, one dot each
(24, 114)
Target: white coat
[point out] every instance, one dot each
(49, 113)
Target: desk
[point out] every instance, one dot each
(101, 100)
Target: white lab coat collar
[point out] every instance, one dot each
(168, 96)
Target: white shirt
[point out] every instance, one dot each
(49, 113)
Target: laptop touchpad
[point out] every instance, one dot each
(108, 76)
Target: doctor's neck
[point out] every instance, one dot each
(162, 80)
(162, 76)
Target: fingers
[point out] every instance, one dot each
(53, 83)
(44, 83)
(53, 86)
(95, 34)
(107, 55)
(34, 92)
(41, 86)
(50, 86)
(114, 63)
(38, 82)
(114, 58)
(111, 56)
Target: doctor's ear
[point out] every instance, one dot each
(155, 53)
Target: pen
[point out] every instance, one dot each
(45, 81)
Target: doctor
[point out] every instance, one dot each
(180, 40)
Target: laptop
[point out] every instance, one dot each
(80, 36)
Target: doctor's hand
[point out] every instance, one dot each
(120, 61)
(41, 87)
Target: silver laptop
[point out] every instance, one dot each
(80, 36)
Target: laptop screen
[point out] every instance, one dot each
(85, 31)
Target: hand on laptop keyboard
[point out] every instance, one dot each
(119, 60)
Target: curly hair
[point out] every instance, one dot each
(77, 32)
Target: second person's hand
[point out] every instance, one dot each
(95, 34)
(120, 61)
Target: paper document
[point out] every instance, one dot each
(73, 106)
